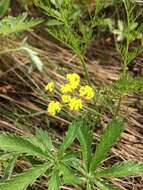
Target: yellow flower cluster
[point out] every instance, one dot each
(54, 107)
(66, 98)
(67, 88)
(75, 103)
(73, 82)
(87, 92)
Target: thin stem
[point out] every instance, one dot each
(118, 106)
(93, 111)
(85, 68)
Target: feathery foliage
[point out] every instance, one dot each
(10, 24)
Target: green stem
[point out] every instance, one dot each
(84, 68)
(118, 106)
(93, 111)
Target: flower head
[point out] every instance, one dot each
(87, 92)
(66, 98)
(73, 77)
(49, 87)
(75, 104)
(67, 88)
(74, 80)
(54, 107)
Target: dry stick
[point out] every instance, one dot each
(13, 127)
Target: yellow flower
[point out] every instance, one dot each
(75, 104)
(66, 88)
(73, 83)
(87, 92)
(54, 107)
(73, 77)
(66, 98)
(49, 87)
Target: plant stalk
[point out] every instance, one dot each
(84, 68)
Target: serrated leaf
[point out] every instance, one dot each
(71, 135)
(127, 168)
(4, 5)
(54, 181)
(105, 186)
(69, 156)
(22, 181)
(44, 138)
(19, 145)
(69, 176)
(108, 139)
(77, 165)
(85, 139)
(10, 24)
(9, 169)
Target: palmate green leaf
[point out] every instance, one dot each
(4, 5)
(71, 134)
(69, 176)
(127, 168)
(21, 182)
(102, 185)
(19, 145)
(54, 181)
(108, 139)
(9, 25)
(85, 139)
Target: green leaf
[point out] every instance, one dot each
(4, 5)
(22, 181)
(54, 182)
(108, 139)
(19, 145)
(89, 187)
(69, 176)
(127, 168)
(85, 138)
(71, 135)
(70, 156)
(105, 186)
(54, 22)
(9, 25)
(33, 56)
(9, 168)
(42, 140)
(77, 165)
